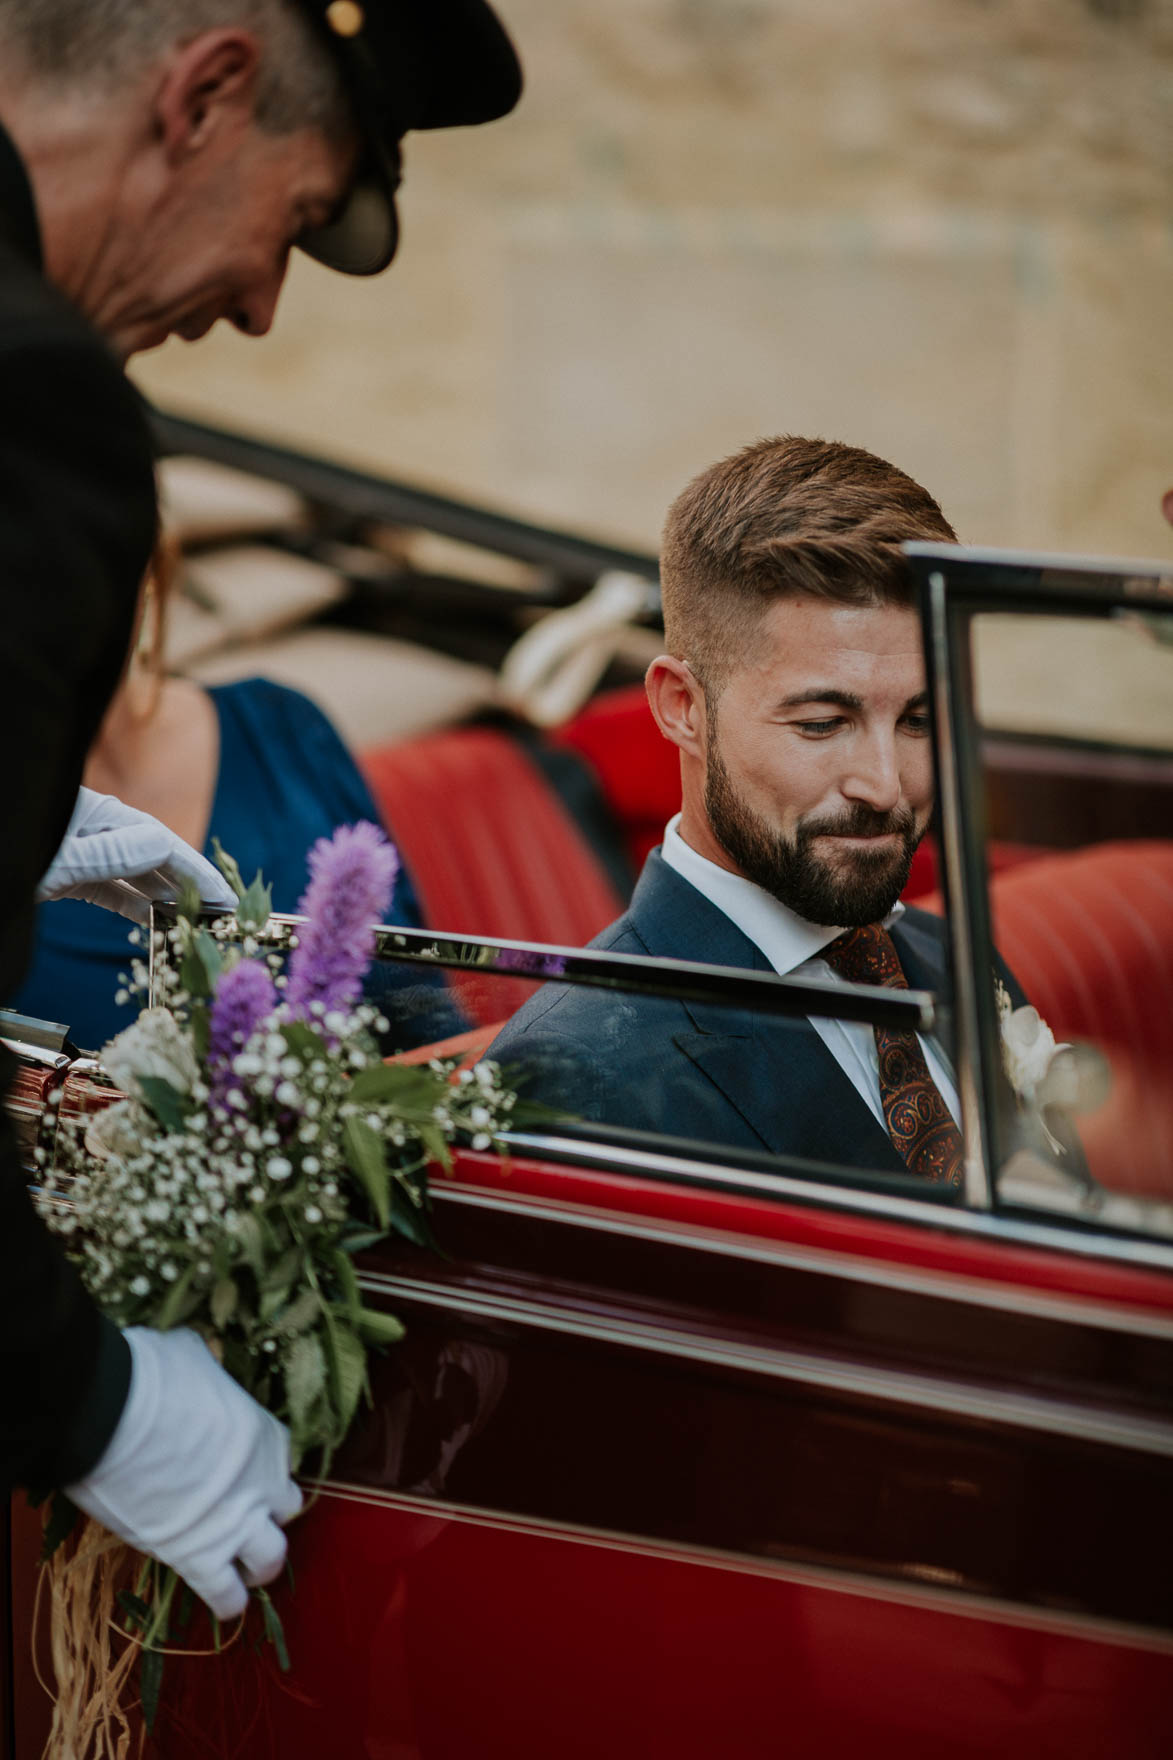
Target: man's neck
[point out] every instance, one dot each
(698, 834)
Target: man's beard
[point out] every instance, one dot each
(861, 890)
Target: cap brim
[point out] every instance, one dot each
(363, 239)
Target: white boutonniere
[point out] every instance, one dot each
(1029, 1058)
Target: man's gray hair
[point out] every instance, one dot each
(100, 44)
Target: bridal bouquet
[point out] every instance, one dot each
(260, 1143)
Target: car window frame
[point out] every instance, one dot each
(956, 584)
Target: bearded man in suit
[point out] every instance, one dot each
(794, 687)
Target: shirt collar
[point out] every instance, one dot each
(19, 227)
(786, 939)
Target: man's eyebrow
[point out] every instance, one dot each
(844, 699)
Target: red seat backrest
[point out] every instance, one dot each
(637, 768)
(491, 849)
(1089, 935)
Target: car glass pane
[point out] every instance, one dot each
(1077, 783)
(719, 1063)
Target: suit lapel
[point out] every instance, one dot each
(782, 1080)
(777, 1075)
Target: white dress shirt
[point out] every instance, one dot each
(792, 945)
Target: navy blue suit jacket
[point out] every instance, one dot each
(719, 1075)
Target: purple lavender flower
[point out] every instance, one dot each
(351, 878)
(244, 995)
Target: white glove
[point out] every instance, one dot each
(196, 1473)
(115, 856)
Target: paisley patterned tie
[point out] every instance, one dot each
(918, 1120)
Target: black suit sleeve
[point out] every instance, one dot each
(77, 521)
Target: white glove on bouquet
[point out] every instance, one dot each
(117, 857)
(196, 1472)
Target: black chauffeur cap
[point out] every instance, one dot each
(405, 64)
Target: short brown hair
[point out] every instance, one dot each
(785, 517)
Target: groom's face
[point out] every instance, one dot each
(818, 775)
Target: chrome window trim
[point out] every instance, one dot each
(979, 1194)
(694, 981)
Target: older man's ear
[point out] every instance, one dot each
(1167, 505)
(677, 700)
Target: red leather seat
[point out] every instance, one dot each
(1089, 935)
(637, 769)
(491, 849)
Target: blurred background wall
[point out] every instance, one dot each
(942, 229)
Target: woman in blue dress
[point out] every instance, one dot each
(257, 766)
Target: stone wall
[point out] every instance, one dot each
(939, 228)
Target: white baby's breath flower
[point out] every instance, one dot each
(479, 1117)
(313, 1213)
(116, 1131)
(278, 1167)
(155, 1045)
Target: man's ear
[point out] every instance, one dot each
(204, 84)
(677, 700)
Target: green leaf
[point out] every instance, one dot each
(192, 974)
(169, 1106)
(347, 1277)
(201, 1030)
(411, 1221)
(63, 1517)
(179, 1302)
(277, 1280)
(201, 965)
(251, 1238)
(348, 1370)
(436, 1143)
(379, 1328)
(223, 1302)
(364, 1152)
(150, 1681)
(186, 1604)
(304, 1042)
(403, 1085)
(274, 1630)
(357, 1240)
(227, 867)
(189, 903)
(136, 1610)
(252, 911)
(210, 953)
(305, 1379)
(281, 1273)
(305, 1310)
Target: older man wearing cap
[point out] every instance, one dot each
(159, 159)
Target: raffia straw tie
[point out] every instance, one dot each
(92, 1675)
